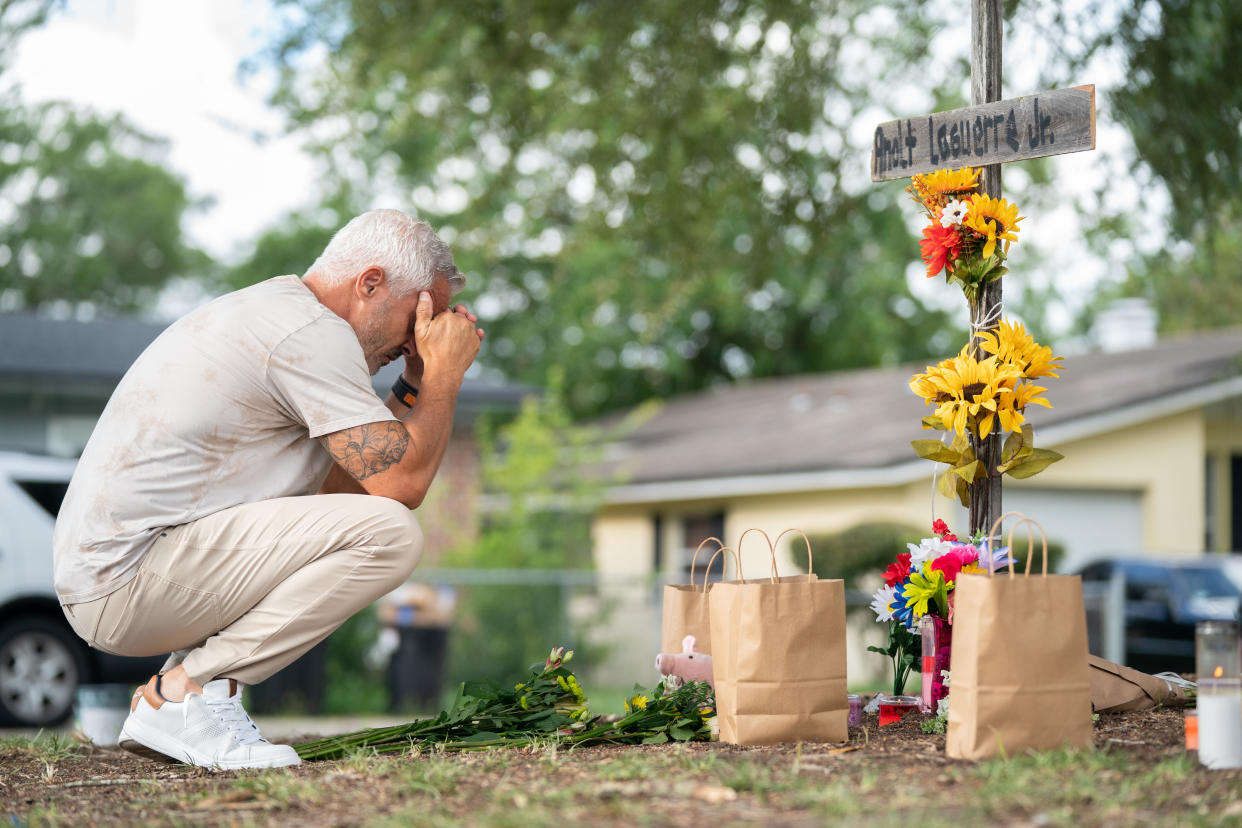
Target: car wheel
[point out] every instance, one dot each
(41, 665)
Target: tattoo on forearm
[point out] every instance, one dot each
(368, 449)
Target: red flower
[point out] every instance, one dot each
(939, 244)
(941, 528)
(950, 564)
(898, 572)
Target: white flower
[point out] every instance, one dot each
(954, 213)
(944, 677)
(928, 550)
(882, 603)
(942, 707)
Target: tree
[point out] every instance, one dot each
(658, 195)
(84, 215)
(1180, 98)
(537, 469)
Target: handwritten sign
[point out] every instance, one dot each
(1048, 123)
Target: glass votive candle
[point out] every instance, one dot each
(1218, 662)
(855, 701)
(927, 632)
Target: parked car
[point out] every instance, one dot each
(42, 660)
(1164, 599)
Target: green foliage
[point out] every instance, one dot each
(535, 471)
(90, 220)
(87, 211)
(901, 651)
(658, 196)
(548, 703)
(862, 550)
(1180, 97)
(1182, 100)
(1020, 459)
(352, 685)
(1199, 291)
(291, 246)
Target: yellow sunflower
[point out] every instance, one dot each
(1012, 344)
(936, 188)
(967, 392)
(993, 218)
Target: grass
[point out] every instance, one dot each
(551, 784)
(48, 747)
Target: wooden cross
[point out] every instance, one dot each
(986, 134)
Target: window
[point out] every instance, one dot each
(695, 530)
(49, 495)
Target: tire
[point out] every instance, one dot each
(42, 663)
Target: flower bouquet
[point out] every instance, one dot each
(987, 387)
(965, 228)
(920, 584)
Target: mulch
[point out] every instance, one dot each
(109, 786)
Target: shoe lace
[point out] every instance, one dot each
(236, 719)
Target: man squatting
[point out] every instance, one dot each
(245, 491)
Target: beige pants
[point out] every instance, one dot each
(244, 592)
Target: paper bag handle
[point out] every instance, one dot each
(771, 550)
(810, 568)
(694, 561)
(1031, 528)
(707, 572)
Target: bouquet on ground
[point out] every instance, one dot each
(549, 705)
(921, 582)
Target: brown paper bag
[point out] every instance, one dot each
(685, 607)
(1019, 671)
(1116, 689)
(778, 657)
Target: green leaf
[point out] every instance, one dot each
(480, 689)
(880, 650)
(970, 471)
(656, 738)
(482, 736)
(681, 734)
(935, 451)
(1039, 460)
(963, 492)
(947, 484)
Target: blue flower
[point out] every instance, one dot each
(901, 612)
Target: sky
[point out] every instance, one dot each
(172, 69)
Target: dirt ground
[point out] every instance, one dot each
(1139, 773)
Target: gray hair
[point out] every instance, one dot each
(408, 250)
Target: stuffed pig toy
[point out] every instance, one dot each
(688, 665)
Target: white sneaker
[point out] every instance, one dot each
(210, 730)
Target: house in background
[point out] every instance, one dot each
(56, 376)
(1152, 438)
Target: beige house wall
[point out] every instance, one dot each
(1163, 459)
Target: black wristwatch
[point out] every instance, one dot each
(405, 392)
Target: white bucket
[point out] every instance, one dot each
(101, 711)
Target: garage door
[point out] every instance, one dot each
(1090, 523)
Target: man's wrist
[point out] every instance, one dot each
(405, 393)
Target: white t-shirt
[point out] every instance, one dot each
(221, 409)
